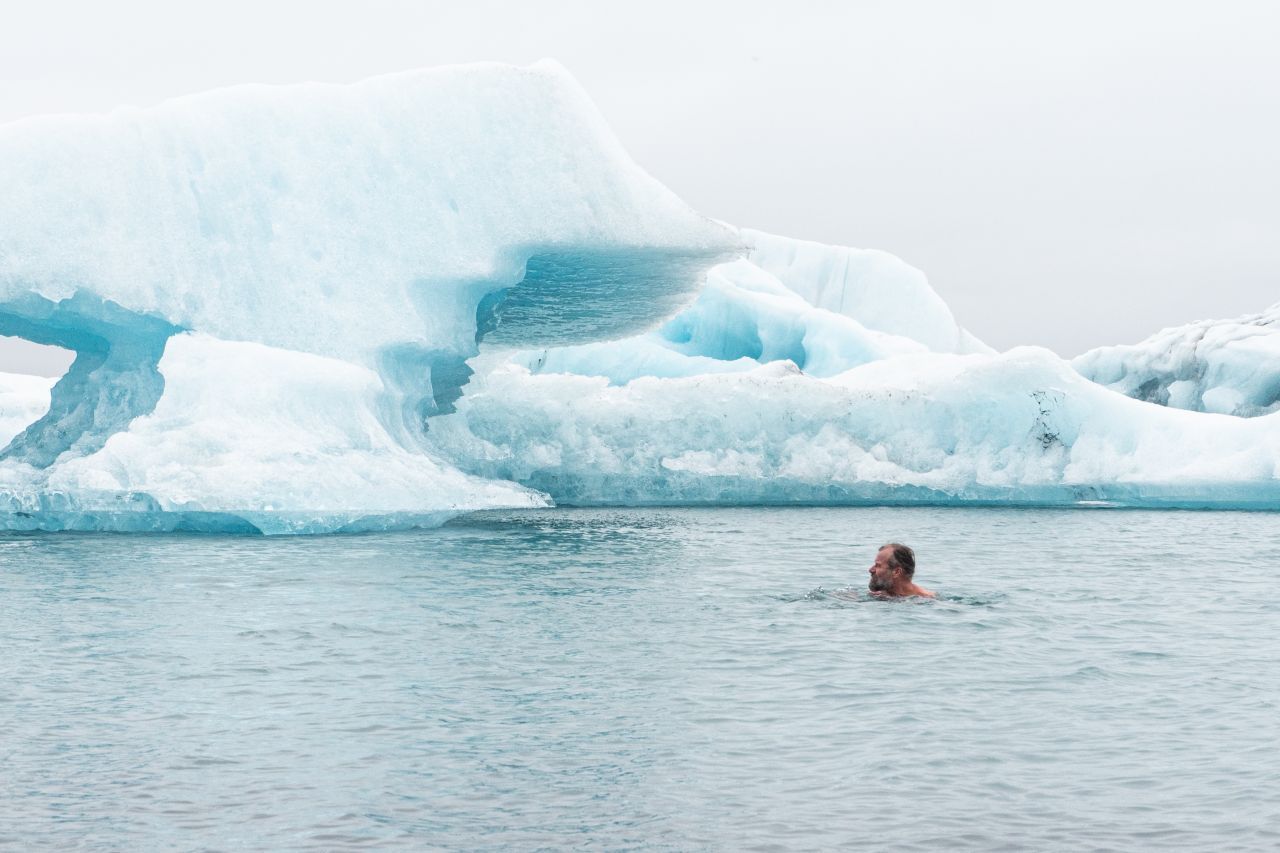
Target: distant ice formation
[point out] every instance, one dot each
(323, 308)
(1231, 367)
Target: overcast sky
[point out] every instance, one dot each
(1067, 174)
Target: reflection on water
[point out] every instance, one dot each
(670, 679)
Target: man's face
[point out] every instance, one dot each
(882, 574)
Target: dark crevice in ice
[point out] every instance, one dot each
(424, 382)
(576, 296)
(564, 296)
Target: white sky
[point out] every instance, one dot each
(1067, 174)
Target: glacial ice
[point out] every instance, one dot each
(767, 390)
(327, 308)
(388, 226)
(1231, 367)
(254, 438)
(1019, 427)
(825, 309)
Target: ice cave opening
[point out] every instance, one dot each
(557, 296)
(112, 379)
(27, 372)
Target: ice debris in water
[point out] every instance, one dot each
(1231, 367)
(317, 308)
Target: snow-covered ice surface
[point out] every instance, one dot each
(1231, 367)
(319, 308)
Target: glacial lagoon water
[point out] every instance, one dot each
(665, 679)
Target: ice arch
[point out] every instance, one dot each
(112, 380)
(270, 289)
(562, 296)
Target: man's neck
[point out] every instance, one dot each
(907, 588)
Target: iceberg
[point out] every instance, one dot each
(1230, 367)
(385, 229)
(324, 308)
(819, 374)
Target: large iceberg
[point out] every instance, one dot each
(755, 394)
(268, 289)
(1231, 367)
(320, 308)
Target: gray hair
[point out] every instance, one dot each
(902, 557)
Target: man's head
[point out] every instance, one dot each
(895, 564)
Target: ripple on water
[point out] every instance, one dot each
(657, 678)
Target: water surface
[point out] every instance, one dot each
(649, 679)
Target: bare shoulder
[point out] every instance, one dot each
(925, 593)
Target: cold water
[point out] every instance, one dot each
(649, 679)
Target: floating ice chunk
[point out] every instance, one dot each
(270, 290)
(1229, 367)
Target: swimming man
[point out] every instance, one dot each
(892, 571)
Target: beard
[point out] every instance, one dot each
(879, 584)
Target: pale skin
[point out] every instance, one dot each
(890, 581)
